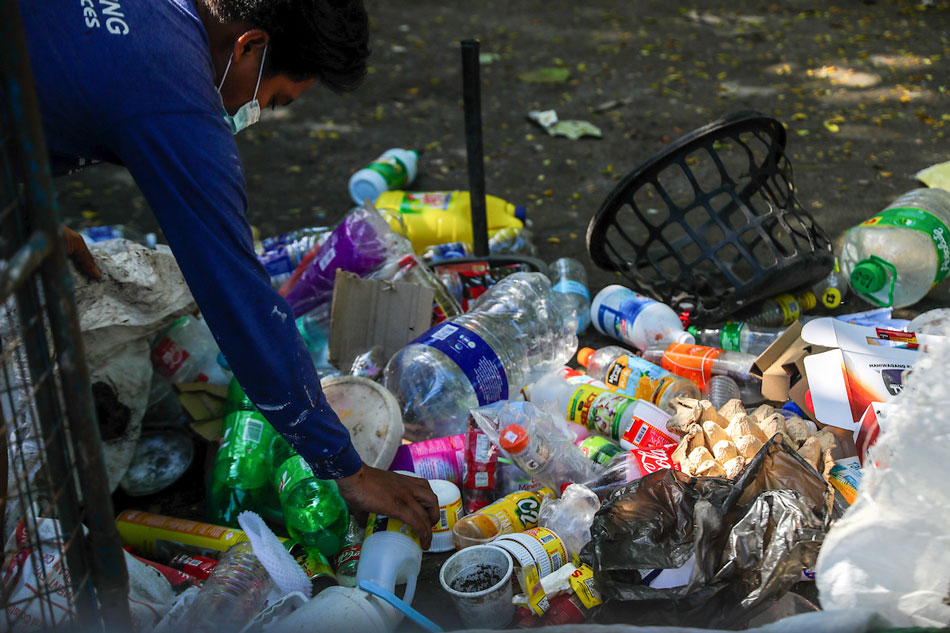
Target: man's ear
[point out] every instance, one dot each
(250, 42)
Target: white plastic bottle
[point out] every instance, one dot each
(628, 374)
(570, 279)
(394, 169)
(632, 423)
(700, 363)
(897, 256)
(738, 336)
(635, 319)
(512, 334)
(187, 352)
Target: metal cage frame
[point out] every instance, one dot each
(63, 563)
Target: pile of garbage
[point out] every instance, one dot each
(683, 476)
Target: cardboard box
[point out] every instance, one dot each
(368, 312)
(782, 368)
(862, 365)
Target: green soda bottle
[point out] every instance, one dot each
(315, 514)
(242, 469)
(237, 400)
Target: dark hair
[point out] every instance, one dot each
(323, 39)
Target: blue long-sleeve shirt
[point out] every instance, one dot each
(132, 82)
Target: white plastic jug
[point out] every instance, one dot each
(391, 556)
(341, 610)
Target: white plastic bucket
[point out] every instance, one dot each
(370, 413)
(341, 610)
(484, 608)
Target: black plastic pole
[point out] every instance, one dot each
(471, 91)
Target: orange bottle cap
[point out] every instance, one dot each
(514, 438)
(583, 355)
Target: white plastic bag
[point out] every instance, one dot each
(891, 550)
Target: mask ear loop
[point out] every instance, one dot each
(228, 67)
(260, 72)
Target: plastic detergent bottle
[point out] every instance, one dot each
(635, 319)
(392, 555)
(394, 169)
(897, 256)
(628, 374)
(436, 217)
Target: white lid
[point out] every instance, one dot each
(366, 183)
(537, 551)
(442, 542)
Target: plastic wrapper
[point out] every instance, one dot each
(629, 466)
(568, 463)
(479, 471)
(570, 516)
(359, 244)
(749, 539)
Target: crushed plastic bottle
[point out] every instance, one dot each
(635, 319)
(720, 390)
(782, 310)
(513, 333)
(232, 595)
(369, 364)
(738, 336)
(628, 374)
(187, 352)
(569, 277)
(897, 256)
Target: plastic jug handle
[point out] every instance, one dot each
(400, 604)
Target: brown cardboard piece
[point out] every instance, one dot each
(368, 312)
(782, 367)
(204, 405)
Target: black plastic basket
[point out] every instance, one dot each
(711, 224)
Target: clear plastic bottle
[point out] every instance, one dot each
(411, 269)
(284, 253)
(569, 277)
(347, 561)
(720, 390)
(782, 310)
(442, 252)
(512, 241)
(897, 256)
(628, 374)
(738, 336)
(518, 330)
(314, 328)
(635, 319)
(632, 423)
(187, 352)
(232, 595)
(832, 290)
(369, 364)
(539, 458)
(700, 363)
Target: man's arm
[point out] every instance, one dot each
(188, 169)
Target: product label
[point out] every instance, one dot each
(392, 170)
(552, 544)
(420, 202)
(439, 458)
(925, 222)
(790, 308)
(643, 435)
(598, 409)
(277, 262)
(729, 336)
(845, 476)
(618, 312)
(168, 357)
(101, 233)
(448, 516)
(599, 449)
(634, 377)
(291, 472)
(691, 361)
(518, 511)
(377, 523)
(567, 286)
(650, 460)
(582, 582)
(347, 554)
(530, 581)
(313, 563)
(476, 359)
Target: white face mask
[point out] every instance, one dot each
(249, 113)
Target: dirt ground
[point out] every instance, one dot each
(860, 85)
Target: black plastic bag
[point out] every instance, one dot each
(751, 538)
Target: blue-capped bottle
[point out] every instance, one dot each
(636, 319)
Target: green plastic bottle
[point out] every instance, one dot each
(314, 512)
(243, 466)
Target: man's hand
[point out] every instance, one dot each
(78, 252)
(409, 499)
